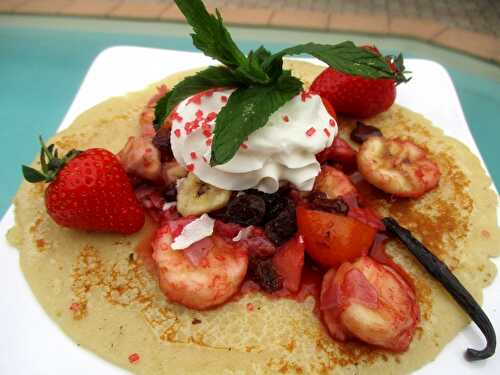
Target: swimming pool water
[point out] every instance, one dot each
(43, 60)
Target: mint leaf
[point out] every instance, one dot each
(247, 110)
(32, 175)
(346, 57)
(213, 39)
(210, 35)
(210, 78)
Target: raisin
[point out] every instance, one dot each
(275, 202)
(162, 142)
(320, 202)
(170, 193)
(363, 131)
(262, 271)
(283, 226)
(246, 209)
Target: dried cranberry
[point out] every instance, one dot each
(363, 131)
(170, 193)
(262, 271)
(246, 209)
(162, 142)
(283, 226)
(260, 245)
(319, 201)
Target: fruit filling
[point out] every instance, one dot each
(214, 244)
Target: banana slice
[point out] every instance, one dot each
(194, 197)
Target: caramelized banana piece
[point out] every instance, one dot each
(194, 197)
(397, 167)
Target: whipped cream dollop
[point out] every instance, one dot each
(283, 150)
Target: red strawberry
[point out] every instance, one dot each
(88, 190)
(359, 96)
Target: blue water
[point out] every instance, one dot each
(43, 62)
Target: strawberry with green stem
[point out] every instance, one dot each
(359, 96)
(88, 190)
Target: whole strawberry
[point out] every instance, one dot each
(359, 96)
(88, 190)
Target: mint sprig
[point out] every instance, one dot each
(263, 86)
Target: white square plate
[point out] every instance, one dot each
(30, 343)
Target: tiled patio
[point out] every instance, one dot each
(471, 26)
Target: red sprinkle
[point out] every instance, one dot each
(327, 132)
(208, 141)
(190, 167)
(211, 116)
(244, 146)
(199, 113)
(207, 133)
(75, 306)
(332, 122)
(177, 133)
(250, 306)
(286, 118)
(174, 116)
(205, 159)
(134, 358)
(223, 99)
(310, 131)
(196, 99)
(193, 155)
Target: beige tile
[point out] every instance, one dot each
(367, 23)
(485, 46)
(90, 7)
(300, 18)
(424, 29)
(7, 6)
(143, 10)
(172, 13)
(43, 6)
(246, 16)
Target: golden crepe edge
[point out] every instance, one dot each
(121, 310)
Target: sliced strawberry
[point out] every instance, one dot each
(289, 261)
(340, 151)
(331, 239)
(333, 183)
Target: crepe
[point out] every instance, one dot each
(102, 296)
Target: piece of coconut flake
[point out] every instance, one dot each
(243, 234)
(193, 232)
(168, 205)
